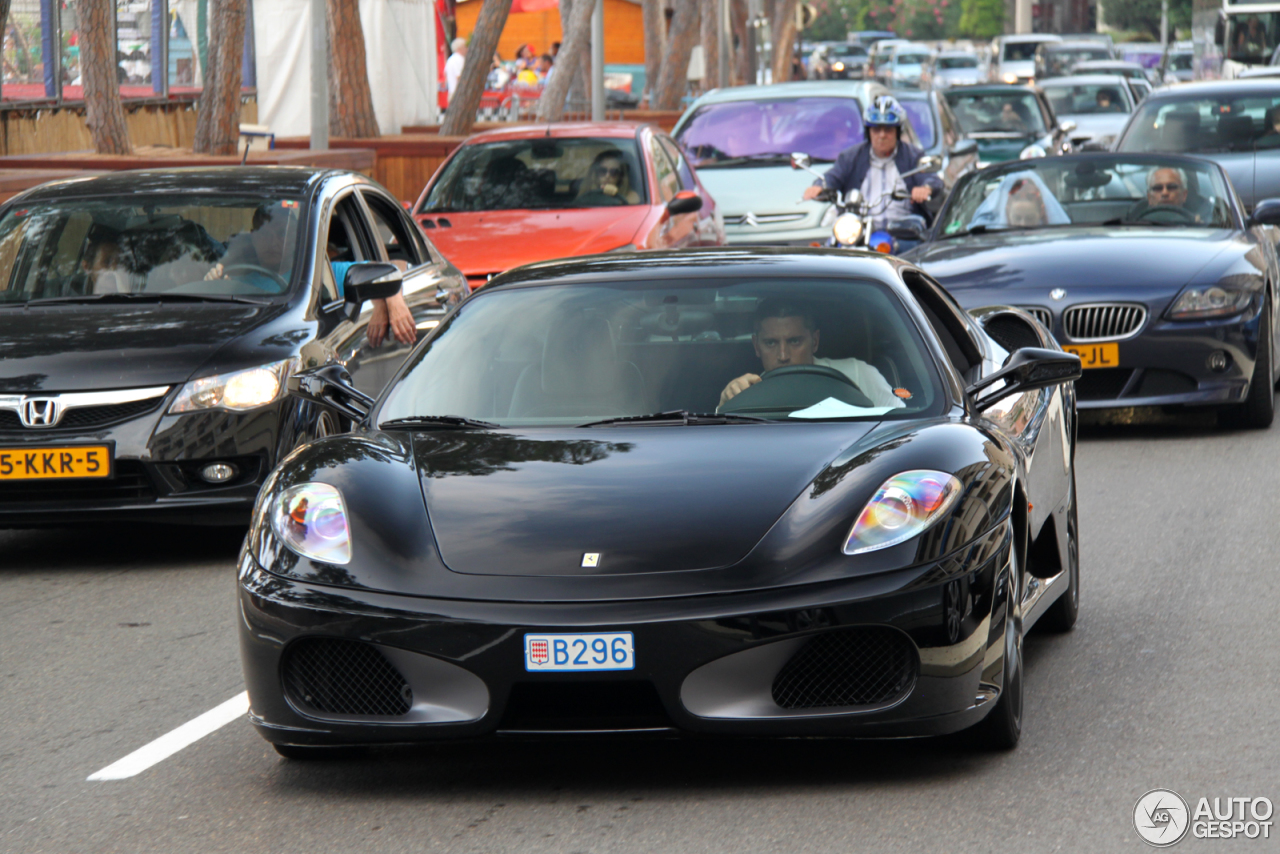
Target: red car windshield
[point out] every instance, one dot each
(736, 131)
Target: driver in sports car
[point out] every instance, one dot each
(1166, 188)
(787, 333)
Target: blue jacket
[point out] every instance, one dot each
(852, 165)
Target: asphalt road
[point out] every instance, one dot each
(112, 638)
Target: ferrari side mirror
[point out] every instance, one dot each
(1028, 368)
(331, 387)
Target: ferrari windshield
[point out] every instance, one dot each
(539, 173)
(165, 245)
(1206, 123)
(738, 132)
(761, 349)
(1101, 190)
(1006, 111)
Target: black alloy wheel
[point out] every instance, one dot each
(1259, 408)
(1002, 727)
(1061, 615)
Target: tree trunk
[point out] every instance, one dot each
(711, 45)
(218, 120)
(742, 62)
(576, 40)
(655, 38)
(465, 100)
(675, 64)
(784, 38)
(580, 86)
(350, 101)
(102, 110)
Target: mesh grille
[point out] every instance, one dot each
(1102, 383)
(1103, 320)
(340, 677)
(849, 667)
(82, 417)
(1039, 313)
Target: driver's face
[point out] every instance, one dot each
(784, 341)
(268, 241)
(1165, 187)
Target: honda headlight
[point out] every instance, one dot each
(1214, 301)
(237, 391)
(847, 229)
(311, 520)
(905, 505)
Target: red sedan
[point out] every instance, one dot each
(511, 197)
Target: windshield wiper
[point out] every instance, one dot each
(156, 297)
(428, 422)
(754, 158)
(679, 416)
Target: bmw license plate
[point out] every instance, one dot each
(1104, 355)
(558, 652)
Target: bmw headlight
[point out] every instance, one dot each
(237, 391)
(905, 505)
(310, 519)
(1214, 301)
(847, 229)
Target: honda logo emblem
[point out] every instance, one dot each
(40, 412)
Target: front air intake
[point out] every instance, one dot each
(341, 677)
(864, 666)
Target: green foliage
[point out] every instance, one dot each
(914, 19)
(983, 19)
(832, 24)
(1144, 16)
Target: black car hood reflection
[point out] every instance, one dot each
(1135, 256)
(90, 347)
(645, 499)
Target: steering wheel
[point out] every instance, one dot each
(809, 384)
(814, 370)
(1175, 212)
(254, 268)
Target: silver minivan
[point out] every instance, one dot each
(1013, 58)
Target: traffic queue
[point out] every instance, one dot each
(514, 455)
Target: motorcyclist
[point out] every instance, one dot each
(875, 167)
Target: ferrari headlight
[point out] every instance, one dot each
(1213, 301)
(905, 505)
(847, 229)
(237, 391)
(311, 520)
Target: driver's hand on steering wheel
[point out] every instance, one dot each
(215, 272)
(737, 387)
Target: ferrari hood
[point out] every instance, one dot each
(643, 499)
(494, 241)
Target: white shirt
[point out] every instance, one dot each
(453, 70)
(877, 188)
(867, 378)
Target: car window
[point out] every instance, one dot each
(728, 132)
(683, 171)
(1212, 123)
(345, 243)
(538, 174)
(394, 231)
(198, 245)
(664, 170)
(572, 354)
(920, 114)
(1087, 99)
(1005, 111)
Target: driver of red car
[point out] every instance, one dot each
(786, 333)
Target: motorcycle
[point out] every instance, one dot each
(850, 215)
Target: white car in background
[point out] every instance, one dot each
(954, 68)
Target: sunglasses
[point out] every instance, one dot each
(609, 170)
(1161, 188)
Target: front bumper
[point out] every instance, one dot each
(703, 665)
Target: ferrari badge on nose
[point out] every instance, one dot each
(591, 559)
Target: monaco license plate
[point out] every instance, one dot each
(1103, 355)
(52, 463)
(556, 652)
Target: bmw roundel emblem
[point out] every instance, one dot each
(1057, 293)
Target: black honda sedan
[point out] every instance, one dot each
(719, 491)
(1146, 266)
(150, 320)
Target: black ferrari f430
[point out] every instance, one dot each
(754, 492)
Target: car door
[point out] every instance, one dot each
(671, 231)
(705, 231)
(342, 237)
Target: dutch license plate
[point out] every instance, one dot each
(556, 652)
(1104, 355)
(50, 463)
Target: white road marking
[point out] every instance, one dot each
(171, 742)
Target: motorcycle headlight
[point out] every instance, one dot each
(847, 229)
(837, 66)
(1030, 152)
(311, 520)
(905, 505)
(1214, 301)
(237, 391)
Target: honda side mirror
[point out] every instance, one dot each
(331, 387)
(1028, 368)
(686, 201)
(369, 281)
